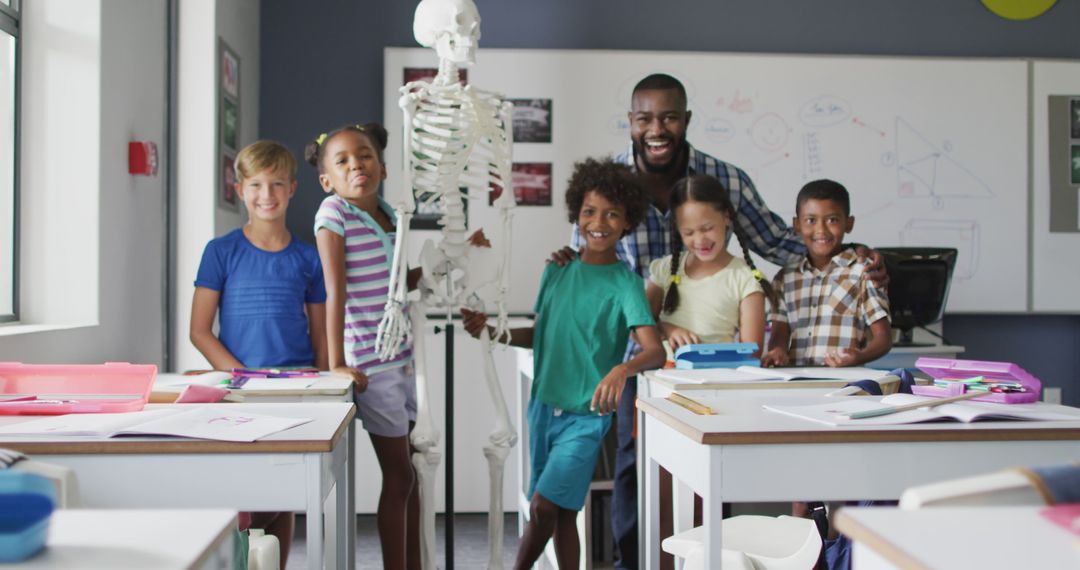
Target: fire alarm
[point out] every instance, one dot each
(142, 158)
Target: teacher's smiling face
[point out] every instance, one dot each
(658, 121)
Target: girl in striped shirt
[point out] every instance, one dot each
(354, 229)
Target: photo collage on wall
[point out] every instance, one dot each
(1074, 147)
(532, 124)
(228, 99)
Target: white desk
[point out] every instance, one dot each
(747, 454)
(147, 538)
(987, 538)
(325, 388)
(293, 470)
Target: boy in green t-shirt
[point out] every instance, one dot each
(585, 313)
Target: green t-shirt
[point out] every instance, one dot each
(584, 315)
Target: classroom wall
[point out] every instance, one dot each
(322, 68)
(90, 241)
(199, 218)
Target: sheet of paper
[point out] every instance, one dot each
(278, 383)
(817, 372)
(225, 423)
(712, 376)
(100, 425)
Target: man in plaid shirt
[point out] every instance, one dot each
(661, 155)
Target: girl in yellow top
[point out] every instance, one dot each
(705, 294)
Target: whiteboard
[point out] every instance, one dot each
(1055, 271)
(933, 151)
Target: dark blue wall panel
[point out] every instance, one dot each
(322, 66)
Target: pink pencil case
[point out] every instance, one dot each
(50, 389)
(949, 368)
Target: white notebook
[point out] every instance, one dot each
(758, 374)
(224, 423)
(834, 413)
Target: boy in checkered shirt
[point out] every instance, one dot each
(829, 313)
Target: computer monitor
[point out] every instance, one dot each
(918, 286)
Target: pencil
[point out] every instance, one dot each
(886, 410)
(692, 405)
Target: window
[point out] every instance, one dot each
(9, 156)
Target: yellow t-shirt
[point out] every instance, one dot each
(708, 307)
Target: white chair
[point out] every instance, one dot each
(753, 542)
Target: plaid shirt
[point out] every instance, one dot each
(827, 310)
(769, 236)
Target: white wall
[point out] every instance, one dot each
(198, 217)
(90, 242)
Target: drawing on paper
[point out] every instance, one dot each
(961, 234)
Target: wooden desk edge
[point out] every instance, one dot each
(858, 532)
(121, 446)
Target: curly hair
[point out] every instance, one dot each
(614, 181)
(376, 133)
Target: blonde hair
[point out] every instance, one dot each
(264, 155)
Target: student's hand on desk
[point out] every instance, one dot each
(563, 256)
(605, 399)
(678, 336)
(840, 359)
(474, 322)
(359, 379)
(775, 357)
(875, 265)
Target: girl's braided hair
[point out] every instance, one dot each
(706, 189)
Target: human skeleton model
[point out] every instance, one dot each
(454, 136)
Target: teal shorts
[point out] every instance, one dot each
(563, 447)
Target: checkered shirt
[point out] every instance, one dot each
(827, 310)
(769, 236)
(767, 233)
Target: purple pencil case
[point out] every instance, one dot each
(948, 368)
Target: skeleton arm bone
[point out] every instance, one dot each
(394, 326)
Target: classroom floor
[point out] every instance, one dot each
(470, 542)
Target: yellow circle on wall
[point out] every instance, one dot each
(1018, 9)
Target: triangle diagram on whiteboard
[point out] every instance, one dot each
(923, 170)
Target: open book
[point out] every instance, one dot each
(758, 374)
(834, 413)
(225, 423)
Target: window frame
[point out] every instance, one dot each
(9, 24)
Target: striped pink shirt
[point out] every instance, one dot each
(369, 252)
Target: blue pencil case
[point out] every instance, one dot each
(26, 505)
(718, 355)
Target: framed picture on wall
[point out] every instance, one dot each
(228, 126)
(532, 120)
(532, 184)
(1074, 118)
(227, 196)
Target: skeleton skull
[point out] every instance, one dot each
(452, 27)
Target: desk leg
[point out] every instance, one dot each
(649, 498)
(713, 516)
(345, 521)
(315, 541)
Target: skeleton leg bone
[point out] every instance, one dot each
(425, 439)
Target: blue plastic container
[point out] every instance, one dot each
(718, 355)
(26, 505)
